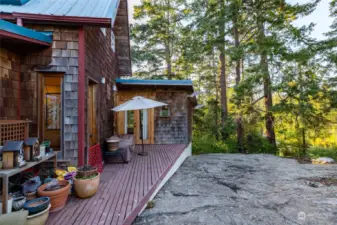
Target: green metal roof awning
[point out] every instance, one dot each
(155, 82)
(10, 31)
(186, 85)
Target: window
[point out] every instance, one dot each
(165, 111)
(129, 122)
(112, 41)
(103, 30)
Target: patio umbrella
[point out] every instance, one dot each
(138, 103)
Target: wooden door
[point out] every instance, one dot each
(50, 109)
(92, 107)
(122, 118)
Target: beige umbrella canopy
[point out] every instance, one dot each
(137, 103)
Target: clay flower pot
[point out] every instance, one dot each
(58, 198)
(86, 188)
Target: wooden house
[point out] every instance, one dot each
(58, 65)
(60, 68)
(171, 124)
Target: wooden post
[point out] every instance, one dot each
(81, 96)
(4, 194)
(55, 162)
(26, 130)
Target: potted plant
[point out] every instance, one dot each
(57, 191)
(86, 186)
(86, 171)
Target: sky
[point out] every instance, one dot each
(320, 17)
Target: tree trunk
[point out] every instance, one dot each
(223, 87)
(168, 44)
(223, 82)
(268, 100)
(239, 124)
(168, 64)
(304, 142)
(214, 69)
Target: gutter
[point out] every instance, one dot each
(104, 22)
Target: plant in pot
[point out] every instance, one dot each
(57, 191)
(86, 181)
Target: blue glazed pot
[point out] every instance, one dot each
(37, 205)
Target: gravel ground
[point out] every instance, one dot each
(245, 189)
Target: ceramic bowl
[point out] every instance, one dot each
(18, 203)
(37, 205)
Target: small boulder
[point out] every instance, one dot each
(323, 160)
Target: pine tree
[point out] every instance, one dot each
(156, 36)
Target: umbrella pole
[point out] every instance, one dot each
(143, 153)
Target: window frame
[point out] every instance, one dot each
(168, 111)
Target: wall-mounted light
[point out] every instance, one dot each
(114, 87)
(103, 80)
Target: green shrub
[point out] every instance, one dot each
(255, 143)
(290, 149)
(203, 144)
(316, 152)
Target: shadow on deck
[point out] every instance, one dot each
(125, 189)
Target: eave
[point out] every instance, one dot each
(74, 20)
(10, 31)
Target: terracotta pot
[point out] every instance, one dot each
(58, 198)
(86, 188)
(39, 218)
(87, 173)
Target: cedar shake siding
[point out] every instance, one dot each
(21, 70)
(172, 129)
(100, 61)
(121, 31)
(61, 58)
(9, 84)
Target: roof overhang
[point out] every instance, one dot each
(74, 12)
(178, 84)
(13, 2)
(12, 33)
(186, 85)
(52, 19)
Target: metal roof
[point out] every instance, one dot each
(24, 32)
(155, 82)
(14, 2)
(31, 141)
(12, 146)
(79, 8)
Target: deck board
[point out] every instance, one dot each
(123, 190)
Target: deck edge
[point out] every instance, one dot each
(164, 177)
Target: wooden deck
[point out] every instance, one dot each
(125, 189)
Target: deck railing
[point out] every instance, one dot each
(13, 130)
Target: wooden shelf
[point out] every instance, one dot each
(11, 172)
